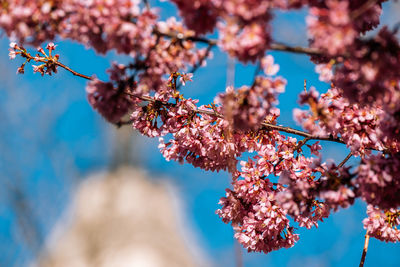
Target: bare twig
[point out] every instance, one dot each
(238, 255)
(200, 62)
(273, 46)
(345, 160)
(294, 49)
(364, 253)
(72, 71)
(358, 12)
(147, 4)
(265, 126)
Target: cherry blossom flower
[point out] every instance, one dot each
(186, 77)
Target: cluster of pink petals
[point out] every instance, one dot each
(199, 15)
(120, 25)
(332, 114)
(331, 28)
(110, 102)
(383, 225)
(31, 21)
(247, 43)
(309, 199)
(112, 99)
(362, 108)
(204, 142)
(379, 180)
(371, 70)
(334, 25)
(260, 224)
(248, 107)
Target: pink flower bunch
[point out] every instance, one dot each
(199, 15)
(48, 63)
(331, 27)
(259, 222)
(203, 142)
(106, 25)
(246, 43)
(336, 187)
(112, 99)
(334, 26)
(248, 107)
(383, 225)
(371, 70)
(331, 114)
(280, 183)
(379, 180)
(167, 56)
(31, 21)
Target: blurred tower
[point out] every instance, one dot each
(122, 218)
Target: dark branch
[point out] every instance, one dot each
(273, 46)
(345, 160)
(364, 253)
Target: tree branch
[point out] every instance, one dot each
(273, 46)
(72, 71)
(364, 253)
(345, 160)
(266, 126)
(358, 12)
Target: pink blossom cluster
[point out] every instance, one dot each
(260, 224)
(331, 27)
(247, 107)
(359, 74)
(383, 225)
(332, 114)
(259, 209)
(166, 56)
(379, 180)
(334, 26)
(112, 99)
(31, 21)
(103, 25)
(246, 43)
(121, 25)
(284, 181)
(198, 15)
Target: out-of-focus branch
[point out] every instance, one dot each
(345, 160)
(364, 253)
(358, 12)
(277, 46)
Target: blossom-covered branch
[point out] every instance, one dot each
(283, 181)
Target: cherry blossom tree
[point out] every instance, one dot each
(284, 183)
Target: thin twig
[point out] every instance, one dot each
(345, 160)
(364, 253)
(273, 46)
(238, 254)
(147, 4)
(358, 12)
(294, 49)
(72, 71)
(55, 62)
(256, 72)
(202, 59)
(199, 63)
(265, 126)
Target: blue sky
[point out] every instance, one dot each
(50, 133)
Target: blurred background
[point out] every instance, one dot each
(77, 191)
